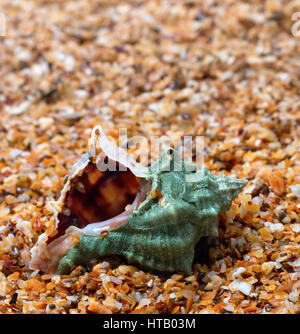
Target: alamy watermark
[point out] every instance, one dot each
(2, 285)
(2, 25)
(177, 153)
(296, 26)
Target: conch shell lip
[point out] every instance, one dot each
(115, 153)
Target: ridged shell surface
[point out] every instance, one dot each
(162, 233)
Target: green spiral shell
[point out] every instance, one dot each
(161, 235)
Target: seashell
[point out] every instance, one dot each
(153, 217)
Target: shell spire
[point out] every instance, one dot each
(229, 188)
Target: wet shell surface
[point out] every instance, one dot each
(153, 217)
